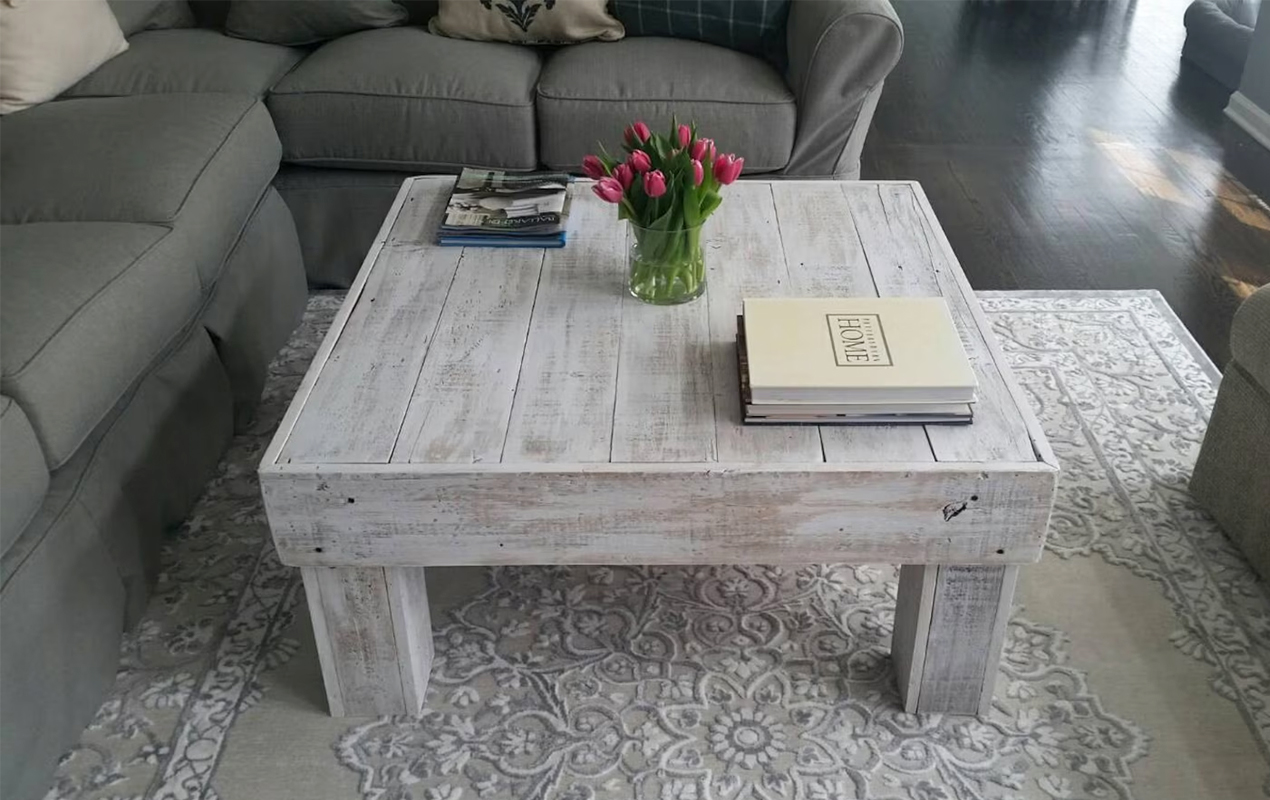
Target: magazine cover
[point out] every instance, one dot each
(494, 202)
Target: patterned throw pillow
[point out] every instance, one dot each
(756, 27)
(526, 21)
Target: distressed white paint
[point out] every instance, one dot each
(826, 259)
(463, 398)
(568, 378)
(950, 625)
(745, 259)
(374, 637)
(360, 398)
(664, 514)
(905, 260)
(544, 417)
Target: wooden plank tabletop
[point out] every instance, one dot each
(501, 358)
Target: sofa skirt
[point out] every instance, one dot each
(80, 572)
(258, 300)
(337, 214)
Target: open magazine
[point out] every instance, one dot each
(498, 209)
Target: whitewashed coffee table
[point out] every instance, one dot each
(486, 406)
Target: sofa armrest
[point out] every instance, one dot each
(1250, 336)
(840, 51)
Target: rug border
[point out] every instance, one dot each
(1170, 316)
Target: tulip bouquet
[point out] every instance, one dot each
(667, 187)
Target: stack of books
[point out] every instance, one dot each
(497, 209)
(852, 361)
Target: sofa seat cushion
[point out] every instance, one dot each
(402, 98)
(200, 160)
(85, 308)
(189, 60)
(594, 90)
(24, 475)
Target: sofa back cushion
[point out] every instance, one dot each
(51, 44)
(756, 27)
(301, 22)
(135, 16)
(530, 22)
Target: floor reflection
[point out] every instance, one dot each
(1065, 145)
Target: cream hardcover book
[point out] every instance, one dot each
(855, 350)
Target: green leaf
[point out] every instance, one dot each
(710, 203)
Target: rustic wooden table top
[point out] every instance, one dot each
(477, 361)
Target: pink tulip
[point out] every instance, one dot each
(698, 172)
(727, 168)
(624, 174)
(703, 150)
(608, 189)
(685, 136)
(639, 161)
(641, 131)
(593, 167)
(654, 183)
(628, 135)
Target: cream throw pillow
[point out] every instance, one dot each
(527, 21)
(46, 46)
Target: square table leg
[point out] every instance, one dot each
(950, 624)
(374, 637)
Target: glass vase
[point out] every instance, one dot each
(666, 267)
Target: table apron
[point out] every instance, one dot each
(328, 517)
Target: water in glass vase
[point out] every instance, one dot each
(666, 267)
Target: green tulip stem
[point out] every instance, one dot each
(667, 266)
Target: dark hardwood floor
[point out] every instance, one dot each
(1064, 145)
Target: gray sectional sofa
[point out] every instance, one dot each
(161, 221)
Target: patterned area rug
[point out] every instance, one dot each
(1137, 663)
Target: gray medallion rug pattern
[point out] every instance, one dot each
(717, 683)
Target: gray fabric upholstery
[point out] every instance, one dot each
(1218, 36)
(79, 573)
(1232, 474)
(65, 292)
(134, 16)
(1243, 12)
(402, 98)
(24, 475)
(203, 158)
(839, 53)
(337, 213)
(210, 13)
(1250, 338)
(301, 22)
(593, 91)
(259, 298)
(189, 60)
(61, 614)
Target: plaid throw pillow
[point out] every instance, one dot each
(756, 27)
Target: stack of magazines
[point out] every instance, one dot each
(498, 209)
(852, 361)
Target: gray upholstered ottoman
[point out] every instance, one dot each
(1232, 475)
